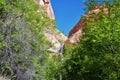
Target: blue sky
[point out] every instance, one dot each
(67, 13)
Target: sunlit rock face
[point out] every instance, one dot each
(75, 35)
(55, 37)
(52, 34)
(48, 7)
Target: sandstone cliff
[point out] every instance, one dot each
(75, 35)
(55, 37)
(48, 7)
(52, 34)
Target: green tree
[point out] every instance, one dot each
(97, 56)
(22, 44)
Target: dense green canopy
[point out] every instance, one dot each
(97, 56)
(22, 45)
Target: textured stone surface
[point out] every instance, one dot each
(55, 37)
(75, 35)
(48, 7)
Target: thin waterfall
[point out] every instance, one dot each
(60, 50)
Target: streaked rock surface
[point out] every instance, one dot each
(55, 37)
(75, 35)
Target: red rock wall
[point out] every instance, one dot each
(48, 7)
(76, 28)
(81, 23)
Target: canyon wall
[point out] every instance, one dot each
(52, 34)
(48, 7)
(75, 35)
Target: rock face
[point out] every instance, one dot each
(75, 35)
(48, 7)
(55, 37)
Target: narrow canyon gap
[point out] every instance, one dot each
(67, 13)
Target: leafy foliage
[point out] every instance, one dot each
(22, 44)
(97, 56)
